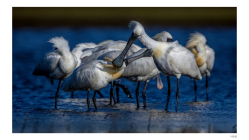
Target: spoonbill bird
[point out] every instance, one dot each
(204, 56)
(78, 50)
(170, 58)
(96, 74)
(94, 54)
(142, 69)
(165, 37)
(57, 64)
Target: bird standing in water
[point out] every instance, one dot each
(57, 64)
(170, 58)
(96, 74)
(204, 56)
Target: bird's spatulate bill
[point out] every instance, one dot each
(118, 62)
(147, 53)
(159, 82)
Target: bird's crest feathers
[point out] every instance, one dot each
(195, 39)
(60, 43)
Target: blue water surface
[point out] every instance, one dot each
(32, 92)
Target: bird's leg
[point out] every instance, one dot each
(57, 94)
(125, 89)
(169, 92)
(207, 84)
(72, 94)
(117, 91)
(94, 99)
(195, 87)
(113, 96)
(52, 81)
(101, 95)
(144, 93)
(137, 93)
(177, 93)
(87, 100)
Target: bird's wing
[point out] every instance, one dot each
(210, 57)
(82, 78)
(183, 61)
(47, 64)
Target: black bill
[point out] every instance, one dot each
(118, 62)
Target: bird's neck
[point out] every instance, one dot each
(147, 41)
(158, 48)
(68, 63)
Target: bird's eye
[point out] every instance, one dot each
(169, 40)
(56, 48)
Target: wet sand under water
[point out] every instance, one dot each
(198, 117)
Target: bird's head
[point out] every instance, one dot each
(138, 28)
(163, 37)
(60, 44)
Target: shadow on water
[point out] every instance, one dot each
(33, 96)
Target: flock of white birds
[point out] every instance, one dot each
(91, 66)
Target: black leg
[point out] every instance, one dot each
(52, 81)
(101, 95)
(87, 100)
(113, 96)
(137, 93)
(195, 87)
(177, 93)
(125, 89)
(72, 94)
(57, 94)
(94, 99)
(169, 92)
(117, 91)
(111, 93)
(144, 93)
(207, 84)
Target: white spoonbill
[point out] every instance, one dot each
(96, 74)
(78, 51)
(142, 69)
(170, 58)
(57, 64)
(94, 54)
(165, 37)
(204, 56)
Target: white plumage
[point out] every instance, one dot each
(58, 63)
(210, 59)
(93, 75)
(163, 36)
(170, 58)
(204, 56)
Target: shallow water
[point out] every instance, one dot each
(33, 96)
